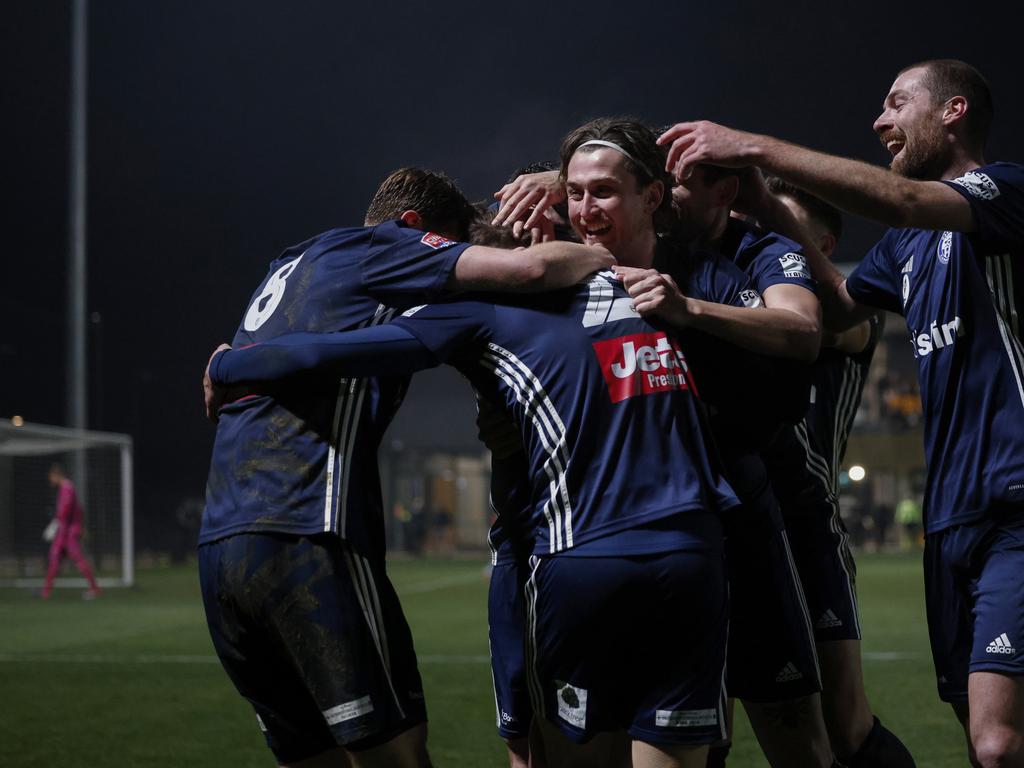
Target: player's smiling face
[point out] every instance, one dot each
(911, 128)
(606, 204)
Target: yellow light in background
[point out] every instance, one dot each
(857, 473)
(17, 421)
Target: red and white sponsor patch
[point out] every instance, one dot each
(435, 240)
(642, 364)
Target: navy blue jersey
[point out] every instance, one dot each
(746, 391)
(837, 383)
(959, 292)
(305, 460)
(594, 389)
(767, 257)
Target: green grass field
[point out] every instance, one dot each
(131, 680)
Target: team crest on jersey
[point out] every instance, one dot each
(978, 185)
(435, 240)
(642, 364)
(794, 265)
(945, 247)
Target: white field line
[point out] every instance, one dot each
(170, 658)
(435, 584)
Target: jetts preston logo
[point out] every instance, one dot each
(642, 364)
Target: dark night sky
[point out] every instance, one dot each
(221, 132)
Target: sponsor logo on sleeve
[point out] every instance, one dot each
(642, 364)
(435, 240)
(750, 298)
(794, 265)
(572, 704)
(978, 185)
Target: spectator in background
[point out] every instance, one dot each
(69, 533)
(908, 515)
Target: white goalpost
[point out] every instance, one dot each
(102, 462)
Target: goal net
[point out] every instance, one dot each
(100, 466)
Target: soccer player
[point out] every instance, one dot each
(779, 684)
(67, 542)
(952, 268)
(292, 538)
(769, 609)
(808, 457)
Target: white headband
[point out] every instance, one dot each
(617, 148)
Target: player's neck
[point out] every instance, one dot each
(961, 163)
(711, 238)
(638, 251)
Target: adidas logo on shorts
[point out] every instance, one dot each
(788, 673)
(1001, 645)
(828, 620)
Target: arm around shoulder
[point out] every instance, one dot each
(542, 267)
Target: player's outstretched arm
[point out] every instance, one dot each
(839, 311)
(858, 187)
(541, 267)
(791, 328)
(379, 350)
(527, 197)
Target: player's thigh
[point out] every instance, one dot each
(769, 611)
(668, 756)
(312, 635)
(629, 643)
(996, 718)
(827, 571)
(997, 600)
(975, 606)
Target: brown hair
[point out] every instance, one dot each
(647, 163)
(432, 195)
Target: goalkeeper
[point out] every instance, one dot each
(69, 533)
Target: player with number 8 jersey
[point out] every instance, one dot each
(305, 460)
(291, 556)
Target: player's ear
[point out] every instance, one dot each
(955, 109)
(726, 191)
(826, 244)
(653, 194)
(412, 219)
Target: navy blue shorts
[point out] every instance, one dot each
(817, 537)
(974, 589)
(825, 565)
(506, 620)
(771, 642)
(313, 636)
(629, 643)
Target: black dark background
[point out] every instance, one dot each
(221, 132)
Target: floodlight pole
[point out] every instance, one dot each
(76, 365)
